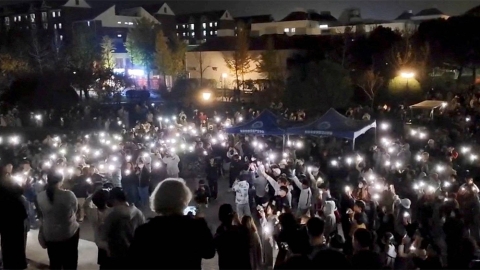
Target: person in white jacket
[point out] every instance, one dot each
(276, 184)
(305, 199)
(241, 187)
(329, 217)
(171, 162)
(96, 210)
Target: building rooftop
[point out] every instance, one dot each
(255, 19)
(29, 6)
(281, 42)
(406, 15)
(207, 16)
(429, 12)
(310, 16)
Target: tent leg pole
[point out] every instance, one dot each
(353, 145)
(283, 144)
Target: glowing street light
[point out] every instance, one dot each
(407, 75)
(206, 96)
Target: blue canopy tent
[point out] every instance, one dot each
(266, 123)
(334, 124)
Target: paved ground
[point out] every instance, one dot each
(88, 249)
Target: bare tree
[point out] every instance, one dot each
(370, 82)
(39, 52)
(201, 64)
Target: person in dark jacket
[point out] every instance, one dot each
(363, 257)
(171, 240)
(130, 183)
(143, 184)
(81, 188)
(12, 233)
(236, 166)
(212, 178)
(231, 241)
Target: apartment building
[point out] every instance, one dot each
(47, 17)
(196, 28)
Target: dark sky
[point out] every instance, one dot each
(378, 9)
(381, 9)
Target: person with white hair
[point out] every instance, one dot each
(171, 235)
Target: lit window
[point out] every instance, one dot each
(211, 24)
(178, 34)
(204, 33)
(53, 14)
(119, 22)
(126, 22)
(215, 32)
(177, 26)
(183, 33)
(130, 23)
(192, 26)
(32, 17)
(55, 26)
(61, 37)
(88, 23)
(193, 34)
(286, 30)
(58, 13)
(215, 24)
(119, 35)
(211, 33)
(204, 25)
(44, 16)
(19, 18)
(292, 30)
(14, 19)
(59, 26)
(323, 26)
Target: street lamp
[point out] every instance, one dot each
(206, 96)
(407, 76)
(224, 76)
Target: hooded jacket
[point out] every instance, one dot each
(330, 219)
(120, 226)
(171, 163)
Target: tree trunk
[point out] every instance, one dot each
(87, 95)
(460, 72)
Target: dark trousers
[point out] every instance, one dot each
(64, 254)
(213, 185)
(13, 247)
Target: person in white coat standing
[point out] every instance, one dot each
(171, 161)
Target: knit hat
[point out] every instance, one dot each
(405, 203)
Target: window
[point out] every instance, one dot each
(59, 26)
(58, 13)
(7, 21)
(119, 22)
(204, 33)
(77, 2)
(178, 34)
(226, 15)
(19, 18)
(183, 33)
(204, 25)
(192, 26)
(292, 30)
(211, 24)
(119, 63)
(323, 26)
(55, 26)
(188, 33)
(34, 26)
(53, 14)
(32, 17)
(214, 68)
(211, 33)
(215, 32)
(125, 22)
(165, 10)
(286, 30)
(88, 23)
(119, 35)
(44, 16)
(193, 34)
(130, 23)
(45, 25)
(177, 26)
(61, 37)
(215, 24)
(14, 18)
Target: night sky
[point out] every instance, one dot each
(377, 9)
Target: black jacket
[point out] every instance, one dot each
(233, 247)
(144, 177)
(171, 242)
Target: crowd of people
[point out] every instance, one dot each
(409, 201)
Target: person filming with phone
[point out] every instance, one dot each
(159, 243)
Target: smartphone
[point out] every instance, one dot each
(189, 209)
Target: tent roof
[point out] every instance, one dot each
(332, 123)
(428, 104)
(266, 123)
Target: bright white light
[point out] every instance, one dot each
(136, 72)
(418, 157)
(440, 168)
(422, 135)
(127, 172)
(299, 144)
(157, 164)
(97, 153)
(446, 184)
(206, 96)
(376, 196)
(407, 75)
(384, 126)
(465, 150)
(349, 160)
(473, 157)
(334, 162)
(347, 189)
